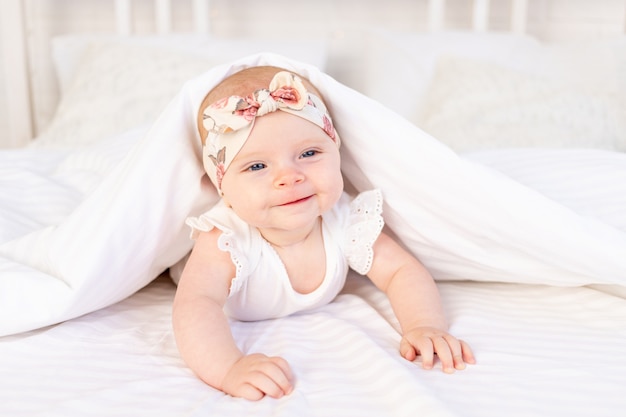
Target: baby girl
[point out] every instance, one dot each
(284, 234)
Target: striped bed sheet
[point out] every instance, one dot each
(543, 351)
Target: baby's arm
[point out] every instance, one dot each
(415, 300)
(203, 333)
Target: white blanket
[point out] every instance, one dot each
(464, 221)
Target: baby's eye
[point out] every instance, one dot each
(257, 167)
(307, 154)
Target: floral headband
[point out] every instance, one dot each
(229, 121)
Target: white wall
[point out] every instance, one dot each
(340, 21)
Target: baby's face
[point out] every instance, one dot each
(285, 176)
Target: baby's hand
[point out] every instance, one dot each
(428, 341)
(254, 376)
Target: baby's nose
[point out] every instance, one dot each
(288, 176)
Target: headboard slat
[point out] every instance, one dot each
(16, 85)
(436, 13)
(201, 16)
(163, 16)
(123, 17)
(519, 12)
(480, 15)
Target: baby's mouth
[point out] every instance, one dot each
(297, 201)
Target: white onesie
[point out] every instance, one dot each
(261, 288)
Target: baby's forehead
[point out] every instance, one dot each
(284, 131)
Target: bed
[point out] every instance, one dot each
(516, 202)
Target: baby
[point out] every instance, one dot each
(284, 234)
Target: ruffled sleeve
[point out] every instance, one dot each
(236, 239)
(199, 224)
(364, 225)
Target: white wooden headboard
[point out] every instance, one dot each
(28, 80)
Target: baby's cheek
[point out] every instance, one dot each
(337, 190)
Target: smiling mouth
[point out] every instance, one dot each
(294, 202)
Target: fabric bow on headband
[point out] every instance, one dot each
(230, 120)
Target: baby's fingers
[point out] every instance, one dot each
(282, 375)
(265, 385)
(407, 350)
(273, 378)
(410, 347)
(460, 354)
(257, 375)
(453, 353)
(468, 355)
(448, 349)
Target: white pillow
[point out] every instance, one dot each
(115, 89)
(113, 84)
(401, 65)
(69, 50)
(478, 105)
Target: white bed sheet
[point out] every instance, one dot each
(542, 351)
